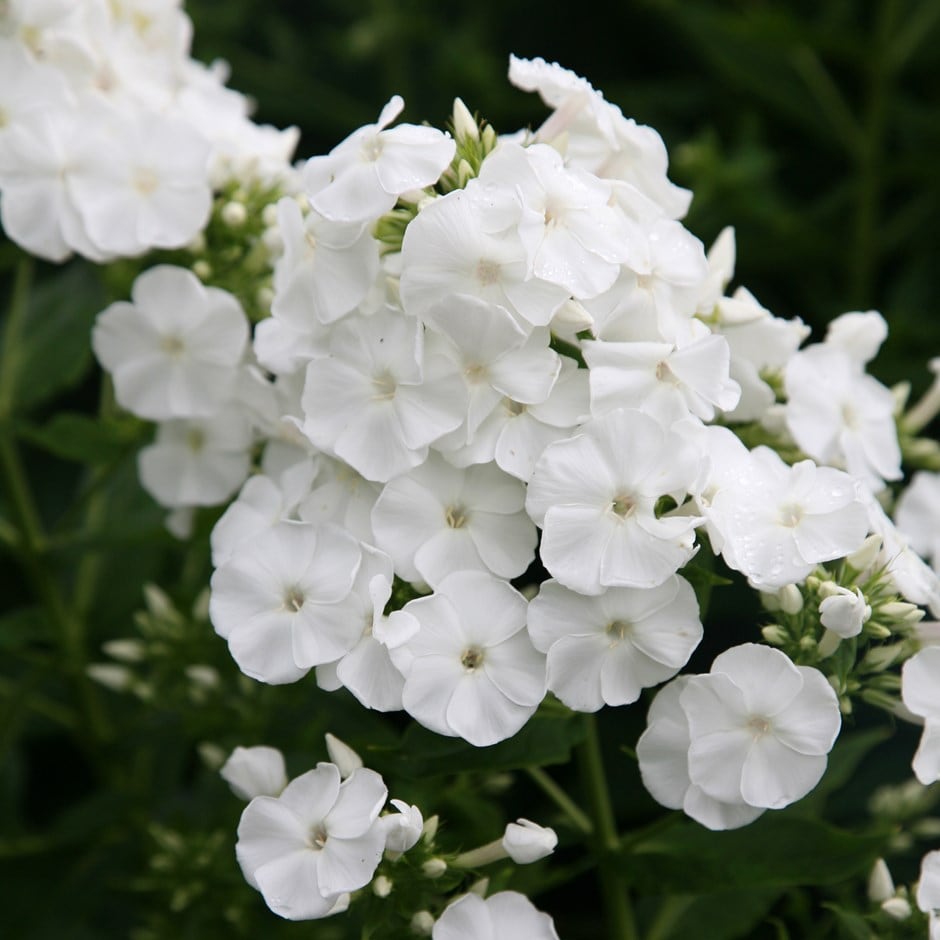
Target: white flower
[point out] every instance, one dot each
(318, 839)
(760, 727)
(174, 351)
(364, 175)
(595, 496)
(920, 692)
(606, 649)
(928, 891)
(402, 829)
(663, 753)
(272, 600)
(918, 516)
(255, 771)
(776, 522)
(526, 841)
(506, 914)
(471, 670)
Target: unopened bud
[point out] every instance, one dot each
(465, 127)
(489, 138)
(127, 651)
(790, 598)
(897, 908)
(877, 631)
(202, 269)
(422, 923)
(430, 828)
(269, 214)
(341, 754)
(864, 557)
(382, 887)
(111, 676)
(774, 634)
(480, 887)
(234, 214)
(901, 612)
(434, 867)
(769, 601)
(880, 882)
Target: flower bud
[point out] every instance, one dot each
(382, 887)
(790, 599)
(843, 611)
(864, 557)
(125, 650)
(234, 214)
(897, 908)
(880, 882)
(422, 923)
(434, 867)
(526, 841)
(901, 612)
(429, 830)
(465, 127)
(402, 829)
(202, 269)
(111, 676)
(480, 887)
(774, 634)
(341, 754)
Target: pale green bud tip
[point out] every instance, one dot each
(434, 867)
(422, 923)
(202, 269)
(465, 127)
(158, 601)
(901, 611)
(234, 214)
(791, 600)
(110, 675)
(774, 634)
(880, 882)
(480, 887)
(429, 831)
(127, 651)
(341, 754)
(897, 908)
(382, 887)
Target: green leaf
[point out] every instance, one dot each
(22, 627)
(728, 914)
(545, 739)
(85, 439)
(850, 750)
(779, 850)
(53, 349)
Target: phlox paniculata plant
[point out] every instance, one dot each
(499, 430)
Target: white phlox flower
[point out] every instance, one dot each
(174, 351)
(505, 914)
(402, 829)
(327, 267)
(666, 381)
(525, 841)
(377, 401)
(197, 461)
(273, 600)
(471, 670)
(604, 650)
(362, 177)
(663, 754)
(920, 692)
(594, 496)
(598, 137)
(318, 840)
(255, 771)
(341, 495)
(468, 242)
(760, 728)
(917, 515)
(776, 522)
(844, 611)
(837, 413)
(928, 891)
(572, 236)
(439, 519)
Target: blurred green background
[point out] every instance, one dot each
(813, 128)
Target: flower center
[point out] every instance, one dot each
(145, 181)
(623, 505)
(487, 272)
(293, 598)
(791, 515)
(456, 516)
(617, 630)
(665, 374)
(173, 346)
(514, 408)
(850, 417)
(758, 725)
(385, 387)
(318, 837)
(471, 658)
(195, 439)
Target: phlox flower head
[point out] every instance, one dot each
(506, 914)
(471, 670)
(319, 839)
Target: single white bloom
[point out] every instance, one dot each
(174, 351)
(844, 612)
(918, 516)
(663, 754)
(506, 914)
(402, 829)
(760, 727)
(471, 670)
(606, 649)
(272, 600)
(255, 771)
(319, 839)
(595, 496)
(920, 692)
(362, 177)
(526, 841)
(928, 891)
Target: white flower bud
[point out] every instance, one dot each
(202, 677)
(429, 830)
(844, 612)
(897, 908)
(434, 867)
(790, 598)
(202, 269)
(880, 882)
(862, 558)
(480, 887)
(234, 214)
(111, 676)
(127, 651)
(901, 612)
(255, 771)
(402, 829)
(526, 841)
(422, 923)
(382, 887)
(465, 127)
(341, 754)
(269, 214)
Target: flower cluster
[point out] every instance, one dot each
(495, 358)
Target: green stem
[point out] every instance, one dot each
(578, 817)
(622, 924)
